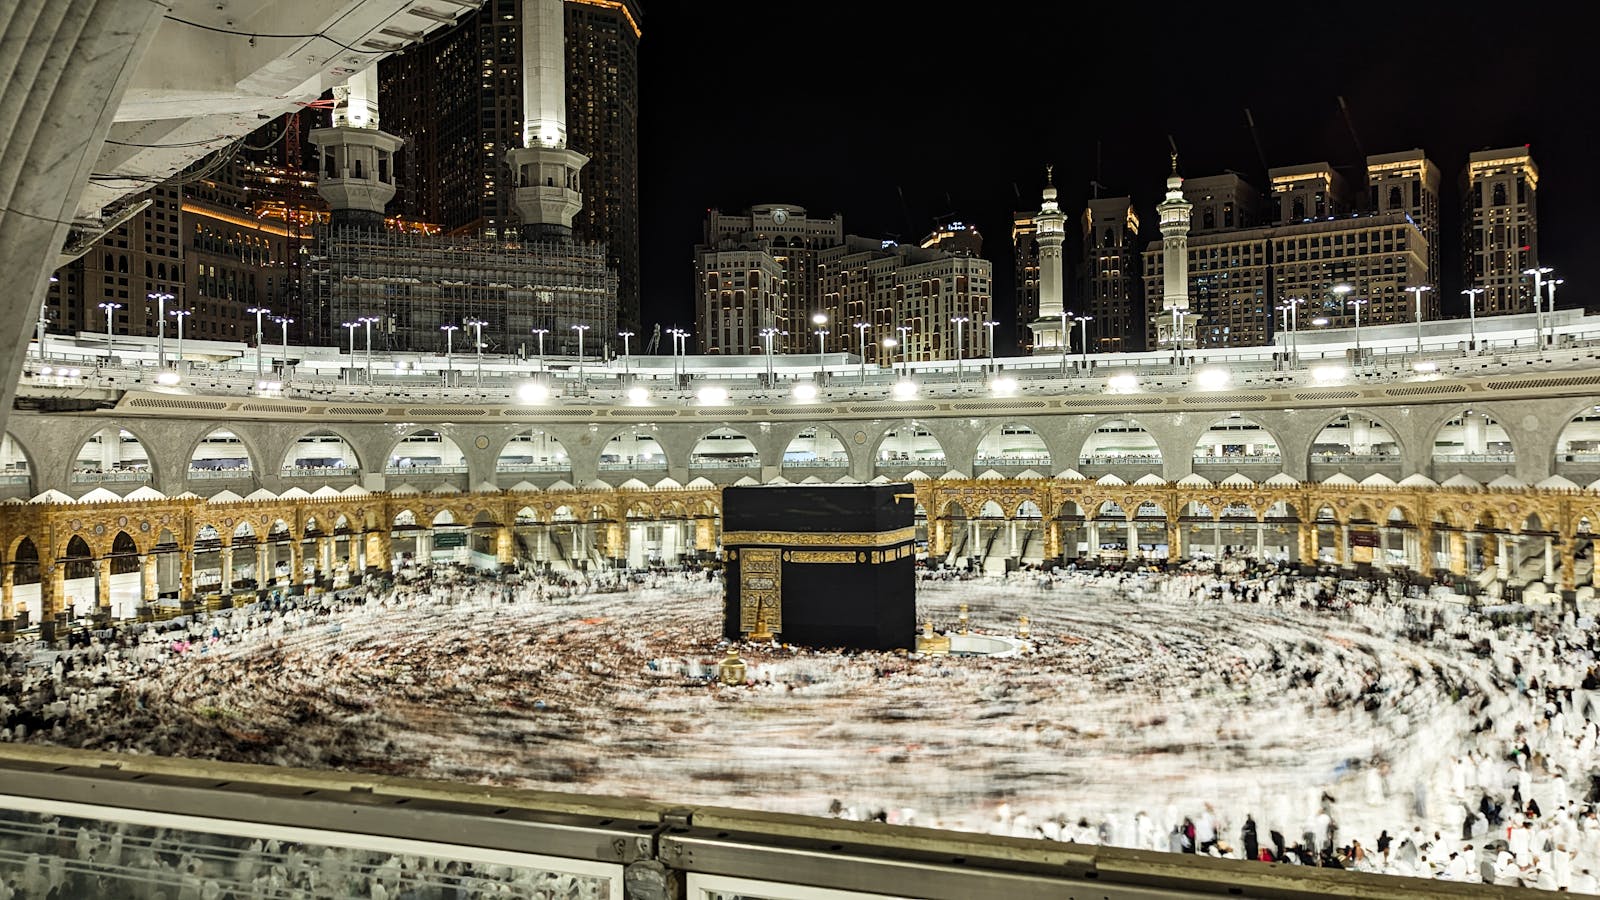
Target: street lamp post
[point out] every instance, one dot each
(109, 308)
(1551, 284)
(1358, 302)
(1472, 316)
(580, 329)
(1294, 325)
(285, 322)
(769, 333)
(540, 333)
(625, 335)
(180, 315)
(1066, 339)
(352, 326)
(1417, 290)
(959, 321)
(1284, 308)
(44, 319)
(449, 350)
(367, 321)
(822, 341)
(1538, 295)
(1084, 321)
(676, 334)
(477, 343)
(161, 299)
(990, 325)
(259, 312)
(861, 329)
(905, 348)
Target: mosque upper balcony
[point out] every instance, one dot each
(81, 371)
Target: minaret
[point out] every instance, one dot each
(547, 171)
(1051, 233)
(1174, 325)
(355, 166)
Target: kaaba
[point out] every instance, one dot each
(824, 566)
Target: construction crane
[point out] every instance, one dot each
(1255, 137)
(1344, 108)
(655, 341)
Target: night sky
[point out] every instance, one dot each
(895, 115)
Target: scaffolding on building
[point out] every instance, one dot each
(414, 284)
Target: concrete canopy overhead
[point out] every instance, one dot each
(133, 93)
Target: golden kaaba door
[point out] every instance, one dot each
(760, 590)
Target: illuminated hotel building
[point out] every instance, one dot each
(1312, 191)
(1500, 218)
(1239, 276)
(1408, 182)
(1025, 262)
(1109, 288)
(774, 267)
(758, 269)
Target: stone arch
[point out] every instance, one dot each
(415, 449)
(820, 445)
(1577, 445)
(991, 509)
(1248, 451)
(245, 444)
(530, 450)
(346, 452)
(78, 559)
(630, 447)
(123, 558)
(1027, 509)
(724, 446)
(908, 452)
(15, 458)
(1012, 442)
(99, 433)
(1095, 449)
(1494, 435)
(1391, 431)
(23, 558)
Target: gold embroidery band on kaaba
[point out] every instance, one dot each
(839, 539)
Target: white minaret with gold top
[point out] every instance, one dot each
(547, 195)
(1051, 232)
(1174, 324)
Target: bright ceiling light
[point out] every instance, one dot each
(1425, 367)
(711, 395)
(1003, 386)
(805, 392)
(1124, 383)
(905, 389)
(1319, 321)
(533, 392)
(1325, 374)
(1211, 379)
(638, 394)
(167, 378)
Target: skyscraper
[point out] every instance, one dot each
(1109, 287)
(457, 101)
(1025, 259)
(1407, 182)
(1501, 222)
